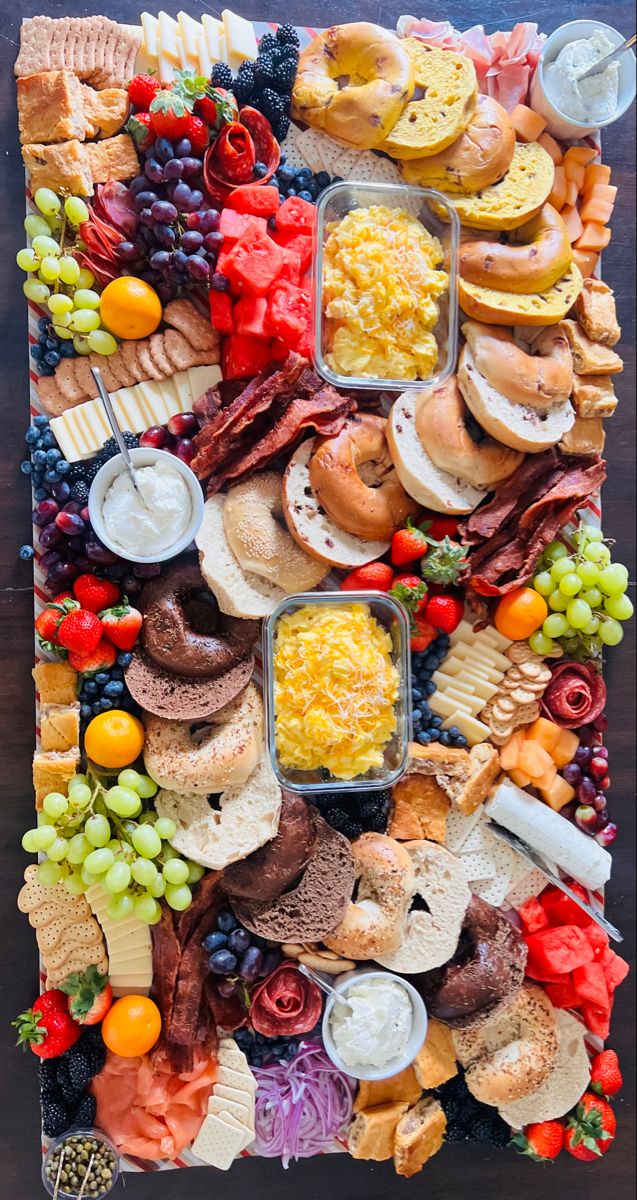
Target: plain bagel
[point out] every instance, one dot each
(210, 755)
(252, 519)
(415, 468)
(510, 1056)
(353, 81)
(520, 426)
(373, 922)
(354, 480)
(539, 379)
(238, 593)
(481, 155)
(535, 257)
(441, 425)
(431, 931)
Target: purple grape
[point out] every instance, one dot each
(127, 251)
(73, 506)
(213, 242)
(214, 941)
(96, 552)
(191, 166)
(82, 563)
(44, 512)
(166, 292)
(176, 277)
(70, 523)
(49, 558)
(159, 260)
(209, 221)
(222, 962)
(270, 963)
(50, 536)
(226, 921)
(179, 260)
(195, 202)
(198, 268)
(154, 170)
(164, 211)
(191, 241)
(586, 818)
(182, 148)
(251, 964)
(599, 803)
(60, 574)
(572, 774)
(607, 836)
(145, 199)
(165, 236)
(163, 150)
(173, 170)
(147, 219)
(132, 587)
(238, 940)
(150, 277)
(599, 752)
(227, 988)
(138, 184)
(583, 756)
(586, 791)
(600, 724)
(60, 491)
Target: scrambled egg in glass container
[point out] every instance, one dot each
(381, 291)
(335, 690)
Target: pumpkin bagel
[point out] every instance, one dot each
(481, 155)
(353, 81)
(441, 425)
(536, 255)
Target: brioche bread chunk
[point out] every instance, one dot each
(419, 1135)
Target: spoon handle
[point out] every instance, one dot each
(321, 983)
(117, 433)
(609, 58)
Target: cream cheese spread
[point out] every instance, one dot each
(377, 1027)
(151, 526)
(588, 100)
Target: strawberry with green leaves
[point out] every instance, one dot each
(121, 625)
(47, 622)
(445, 561)
(215, 106)
(408, 544)
(139, 127)
(90, 996)
(542, 1142)
(373, 577)
(94, 594)
(169, 115)
(606, 1077)
(80, 631)
(47, 1028)
(411, 590)
(590, 1130)
(142, 90)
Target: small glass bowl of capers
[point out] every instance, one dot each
(83, 1152)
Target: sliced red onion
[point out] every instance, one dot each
(301, 1106)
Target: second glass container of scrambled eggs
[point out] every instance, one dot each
(385, 286)
(320, 650)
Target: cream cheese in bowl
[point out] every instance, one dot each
(591, 100)
(375, 1025)
(152, 523)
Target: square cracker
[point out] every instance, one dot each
(237, 1079)
(230, 1055)
(220, 1106)
(218, 1143)
(236, 1123)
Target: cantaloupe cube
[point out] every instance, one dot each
(581, 154)
(546, 733)
(600, 191)
(595, 237)
(586, 260)
(518, 777)
(534, 760)
(596, 173)
(558, 192)
(574, 170)
(572, 191)
(528, 125)
(573, 222)
(509, 753)
(595, 209)
(564, 750)
(545, 781)
(558, 794)
(549, 144)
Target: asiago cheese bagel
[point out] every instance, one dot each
(431, 931)
(253, 522)
(520, 426)
(353, 81)
(535, 257)
(373, 922)
(417, 471)
(209, 755)
(354, 480)
(481, 155)
(540, 379)
(441, 425)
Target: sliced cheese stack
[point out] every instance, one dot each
(170, 45)
(470, 675)
(129, 946)
(228, 1127)
(82, 431)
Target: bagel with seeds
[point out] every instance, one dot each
(510, 1056)
(536, 255)
(373, 923)
(540, 378)
(253, 522)
(238, 593)
(421, 478)
(480, 157)
(441, 425)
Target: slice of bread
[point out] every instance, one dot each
(515, 199)
(431, 934)
(436, 1061)
(418, 473)
(419, 1135)
(238, 593)
(564, 1086)
(515, 425)
(510, 1056)
(483, 769)
(310, 525)
(589, 357)
(403, 1088)
(371, 1136)
(534, 309)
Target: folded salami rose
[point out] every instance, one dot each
(575, 696)
(285, 1004)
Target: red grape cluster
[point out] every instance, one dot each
(175, 437)
(588, 774)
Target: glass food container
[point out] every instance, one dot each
(91, 1135)
(392, 616)
(334, 204)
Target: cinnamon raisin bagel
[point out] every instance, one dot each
(532, 260)
(540, 379)
(442, 426)
(354, 479)
(480, 157)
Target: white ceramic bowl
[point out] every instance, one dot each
(416, 1039)
(144, 456)
(559, 124)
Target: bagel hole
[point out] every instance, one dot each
(214, 801)
(419, 904)
(343, 81)
(202, 612)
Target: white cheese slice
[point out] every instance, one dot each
(214, 35)
(200, 379)
(190, 31)
(497, 639)
(481, 687)
(443, 706)
(474, 704)
(241, 40)
(185, 63)
(462, 633)
(165, 67)
(443, 681)
(150, 27)
(168, 38)
(204, 59)
(470, 727)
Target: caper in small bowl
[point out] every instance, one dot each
(82, 1152)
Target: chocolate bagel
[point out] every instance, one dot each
(170, 603)
(486, 971)
(267, 873)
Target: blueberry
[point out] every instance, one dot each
(323, 179)
(105, 704)
(102, 677)
(259, 170)
(238, 941)
(286, 174)
(290, 192)
(214, 941)
(86, 712)
(313, 189)
(426, 712)
(305, 195)
(90, 687)
(52, 476)
(436, 722)
(67, 349)
(416, 715)
(26, 467)
(226, 921)
(41, 493)
(51, 342)
(26, 553)
(36, 353)
(52, 457)
(124, 659)
(454, 731)
(416, 694)
(117, 673)
(38, 458)
(48, 438)
(96, 708)
(461, 741)
(114, 688)
(337, 179)
(41, 421)
(304, 173)
(43, 324)
(430, 687)
(445, 738)
(423, 738)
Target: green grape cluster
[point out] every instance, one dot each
(55, 277)
(105, 835)
(586, 593)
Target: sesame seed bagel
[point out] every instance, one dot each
(510, 1056)
(373, 923)
(252, 519)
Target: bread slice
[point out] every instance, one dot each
(419, 1135)
(495, 307)
(563, 1087)
(586, 437)
(56, 682)
(437, 759)
(310, 525)
(511, 1055)
(419, 475)
(371, 1136)
(397, 1089)
(594, 396)
(431, 933)
(483, 769)
(436, 1061)
(515, 199)
(419, 809)
(589, 357)
(59, 727)
(515, 425)
(237, 592)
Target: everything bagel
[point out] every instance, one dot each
(539, 380)
(353, 81)
(169, 637)
(535, 257)
(355, 481)
(252, 517)
(373, 923)
(510, 1056)
(441, 425)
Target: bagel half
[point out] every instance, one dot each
(535, 257)
(480, 157)
(496, 307)
(430, 935)
(516, 425)
(539, 376)
(311, 527)
(441, 425)
(418, 473)
(567, 1082)
(253, 523)
(238, 593)
(512, 1055)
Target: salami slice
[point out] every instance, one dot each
(575, 696)
(230, 159)
(285, 1004)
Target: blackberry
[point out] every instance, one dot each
(500, 1134)
(79, 1070)
(79, 492)
(110, 447)
(287, 35)
(343, 823)
(480, 1130)
(272, 105)
(55, 1119)
(264, 69)
(285, 74)
(455, 1132)
(86, 1111)
(70, 1093)
(268, 43)
(280, 129)
(47, 1071)
(91, 469)
(243, 85)
(221, 76)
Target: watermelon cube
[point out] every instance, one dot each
(558, 951)
(615, 969)
(233, 225)
(243, 356)
(561, 910)
(597, 1020)
(254, 198)
(562, 995)
(533, 916)
(221, 315)
(590, 984)
(250, 316)
(296, 216)
(254, 263)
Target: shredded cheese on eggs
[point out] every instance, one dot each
(335, 689)
(381, 292)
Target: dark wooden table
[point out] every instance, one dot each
(486, 1173)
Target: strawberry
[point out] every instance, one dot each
(445, 562)
(90, 996)
(373, 577)
(542, 1142)
(606, 1077)
(423, 634)
(438, 527)
(95, 594)
(47, 1027)
(445, 612)
(121, 625)
(100, 659)
(411, 590)
(48, 622)
(80, 631)
(590, 1130)
(198, 134)
(408, 544)
(142, 90)
(169, 116)
(141, 131)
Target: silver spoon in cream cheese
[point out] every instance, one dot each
(323, 985)
(117, 433)
(604, 62)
